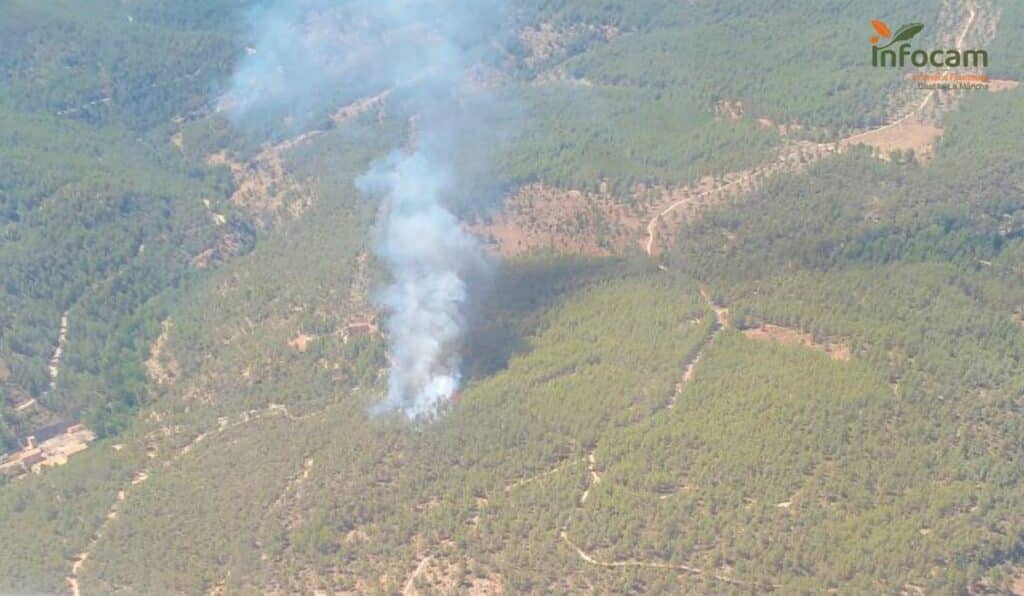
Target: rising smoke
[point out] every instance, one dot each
(311, 55)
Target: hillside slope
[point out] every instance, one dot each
(804, 378)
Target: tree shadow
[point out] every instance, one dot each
(513, 305)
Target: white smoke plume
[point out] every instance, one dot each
(429, 254)
(311, 55)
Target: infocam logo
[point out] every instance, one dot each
(904, 54)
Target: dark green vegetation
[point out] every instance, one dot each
(102, 215)
(93, 227)
(634, 103)
(230, 341)
(421, 488)
(254, 466)
(582, 136)
(666, 91)
(1008, 50)
(99, 214)
(139, 64)
(49, 519)
(920, 274)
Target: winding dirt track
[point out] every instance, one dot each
(58, 352)
(341, 116)
(721, 322)
(143, 475)
(410, 586)
(722, 316)
(823, 148)
(657, 565)
(783, 160)
(595, 479)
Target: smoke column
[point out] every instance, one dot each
(312, 55)
(427, 252)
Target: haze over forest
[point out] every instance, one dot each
(511, 296)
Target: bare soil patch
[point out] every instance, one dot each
(546, 218)
(1018, 585)
(346, 113)
(730, 109)
(546, 41)
(439, 576)
(162, 368)
(263, 186)
(911, 134)
(301, 342)
(541, 217)
(794, 337)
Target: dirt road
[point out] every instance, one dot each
(58, 352)
(748, 178)
(141, 476)
(410, 586)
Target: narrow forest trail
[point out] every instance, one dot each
(144, 474)
(721, 322)
(341, 116)
(110, 98)
(682, 567)
(284, 505)
(524, 481)
(410, 586)
(595, 479)
(25, 405)
(783, 161)
(53, 367)
(792, 159)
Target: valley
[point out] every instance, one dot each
(744, 325)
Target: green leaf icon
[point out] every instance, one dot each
(906, 33)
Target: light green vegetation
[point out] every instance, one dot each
(256, 467)
(1007, 49)
(645, 104)
(99, 214)
(919, 275)
(581, 136)
(379, 493)
(49, 519)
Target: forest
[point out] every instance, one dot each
(627, 424)
(100, 215)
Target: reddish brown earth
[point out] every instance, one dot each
(541, 217)
(795, 337)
